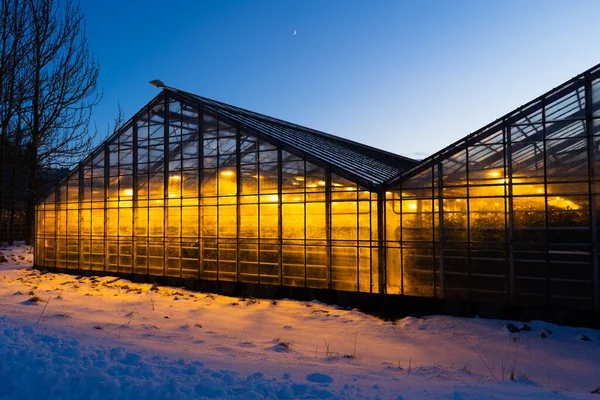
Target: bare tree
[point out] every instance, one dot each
(13, 48)
(61, 91)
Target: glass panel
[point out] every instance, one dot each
(571, 105)
(526, 133)
(344, 268)
(455, 217)
(292, 258)
(344, 220)
(292, 221)
(249, 221)
(417, 266)
(487, 220)
(454, 171)
(315, 221)
(567, 158)
(527, 162)
(596, 97)
(565, 129)
(269, 217)
(227, 221)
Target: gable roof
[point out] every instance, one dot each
(365, 163)
(550, 115)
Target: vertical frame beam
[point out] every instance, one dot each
(80, 204)
(589, 124)
(106, 185)
(166, 160)
(468, 186)
(440, 188)
(134, 198)
(200, 167)
(510, 216)
(280, 214)
(433, 238)
(547, 243)
(238, 183)
(381, 242)
(328, 209)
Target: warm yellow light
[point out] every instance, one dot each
(564, 204)
(388, 193)
(227, 173)
(540, 190)
(172, 195)
(299, 178)
(494, 174)
(273, 197)
(336, 184)
(321, 183)
(128, 192)
(412, 206)
(296, 199)
(311, 186)
(175, 177)
(350, 188)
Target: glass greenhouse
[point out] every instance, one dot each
(195, 189)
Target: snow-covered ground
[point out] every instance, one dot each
(68, 337)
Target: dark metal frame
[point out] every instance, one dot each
(371, 170)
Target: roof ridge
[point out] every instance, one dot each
(254, 114)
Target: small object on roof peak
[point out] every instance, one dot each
(158, 83)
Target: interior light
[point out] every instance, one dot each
(494, 174)
(321, 183)
(299, 178)
(227, 172)
(350, 188)
(412, 206)
(175, 177)
(128, 192)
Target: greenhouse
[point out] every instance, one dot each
(197, 190)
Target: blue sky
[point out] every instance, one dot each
(407, 76)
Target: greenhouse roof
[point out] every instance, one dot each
(555, 115)
(368, 164)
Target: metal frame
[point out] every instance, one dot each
(374, 172)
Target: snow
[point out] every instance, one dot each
(69, 337)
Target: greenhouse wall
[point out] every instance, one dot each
(509, 214)
(186, 194)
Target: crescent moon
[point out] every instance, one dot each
(294, 33)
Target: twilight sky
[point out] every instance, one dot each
(410, 77)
